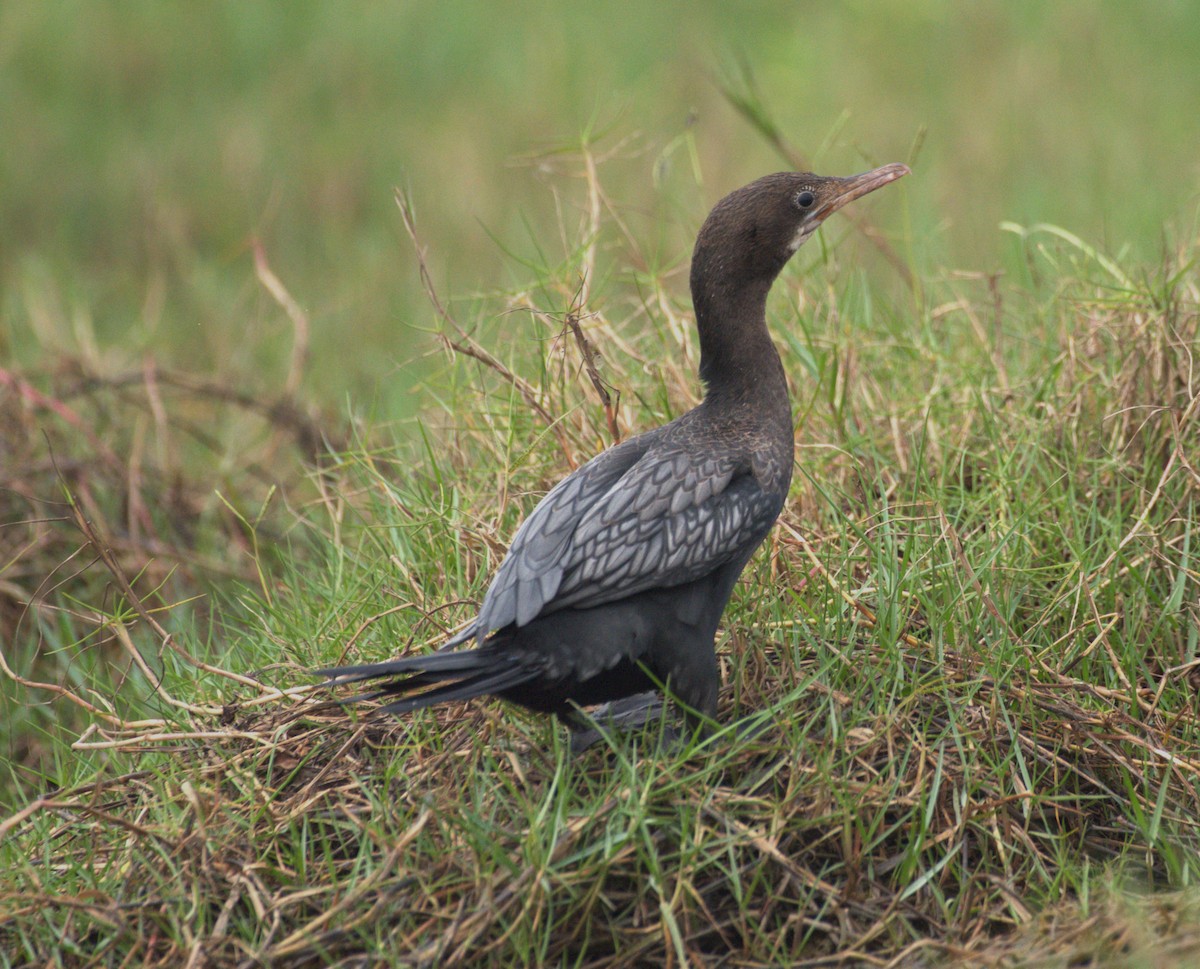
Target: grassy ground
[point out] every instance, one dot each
(973, 639)
(973, 636)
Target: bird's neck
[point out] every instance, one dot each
(738, 361)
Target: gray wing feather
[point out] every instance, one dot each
(533, 569)
(672, 549)
(634, 518)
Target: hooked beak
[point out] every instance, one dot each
(856, 186)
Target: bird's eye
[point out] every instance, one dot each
(805, 199)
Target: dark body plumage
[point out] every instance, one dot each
(619, 577)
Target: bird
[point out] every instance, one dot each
(614, 585)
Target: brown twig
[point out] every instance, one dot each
(609, 400)
(284, 413)
(300, 326)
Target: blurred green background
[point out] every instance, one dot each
(144, 144)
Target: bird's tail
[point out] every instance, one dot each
(422, 681)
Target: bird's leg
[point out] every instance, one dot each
(630, 713)
(694, 682)
(699, 725)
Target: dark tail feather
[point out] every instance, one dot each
(454, 676)
(481, 685)
(466, 661)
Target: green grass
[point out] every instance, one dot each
(973, 638)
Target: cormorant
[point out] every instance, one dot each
(616, 581)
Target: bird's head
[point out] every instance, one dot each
(753, 231)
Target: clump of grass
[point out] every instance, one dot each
(972, 644)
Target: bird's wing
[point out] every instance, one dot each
(671, 519)
(533, 569)
(633, 519)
